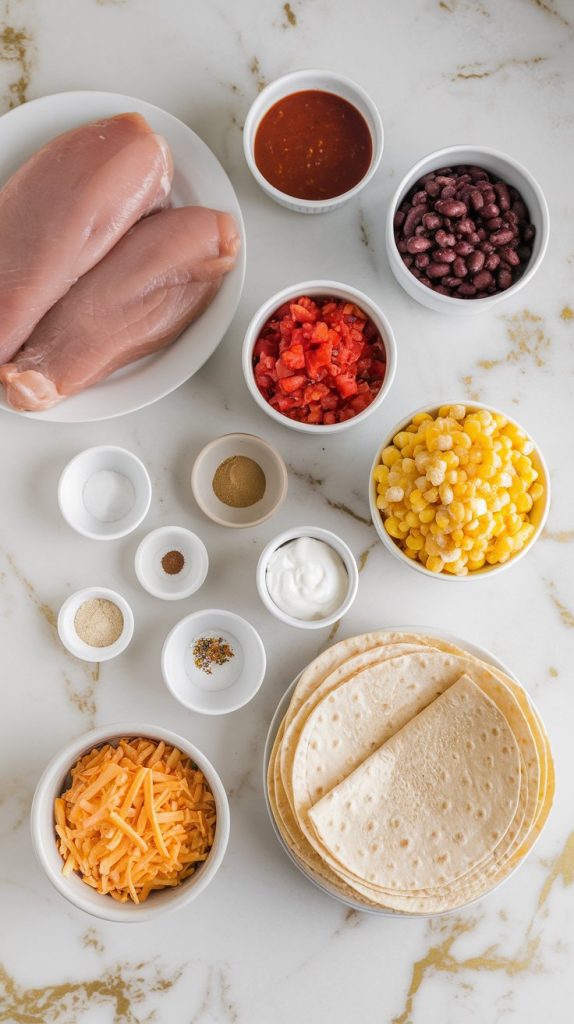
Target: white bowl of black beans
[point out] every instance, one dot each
(467, 227)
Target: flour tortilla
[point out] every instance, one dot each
(428, 805)
(334, 660)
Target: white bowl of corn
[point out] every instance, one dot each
(459, 491)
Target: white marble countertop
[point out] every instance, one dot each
(261, 945)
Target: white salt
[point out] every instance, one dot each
(108, 496)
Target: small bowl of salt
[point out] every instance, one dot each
(105, 492)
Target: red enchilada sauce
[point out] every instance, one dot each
(313, 145)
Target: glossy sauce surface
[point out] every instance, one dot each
(313, 145)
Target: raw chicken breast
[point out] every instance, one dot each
(156, 280)
(65, 209)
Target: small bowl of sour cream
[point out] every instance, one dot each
(307, 577)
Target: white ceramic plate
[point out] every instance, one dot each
(466, 645)
(199, 180)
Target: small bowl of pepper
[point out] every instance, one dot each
(312, 140)
(171, 563)
(319, 357)
(239, 480)
(213, 662)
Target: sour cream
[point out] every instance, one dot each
(307, 579)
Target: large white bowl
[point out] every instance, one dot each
(326, 81)
(510, 171)
(321, 883)
(538, 515)
(55, 779)
(199, 180)
(313, 289)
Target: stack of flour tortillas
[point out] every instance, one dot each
(407, 774)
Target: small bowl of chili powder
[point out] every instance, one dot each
(319, 357)
(312, 140)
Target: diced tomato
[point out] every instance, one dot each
(319, 360)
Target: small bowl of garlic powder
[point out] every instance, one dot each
(95, 624)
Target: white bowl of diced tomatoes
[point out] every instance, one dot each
(319, 357)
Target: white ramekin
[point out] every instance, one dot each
(540, 509)
(55, 779)
(327, 81)
(314, 289)
(75, 476)
(196, 693)
(334, 542)
(510, 171)
(148, 568)
(67, 631)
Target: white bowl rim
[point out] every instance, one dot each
(276, 456)
(233, 617)
(100, 653)
(146, 486)
(394, 549)
(195, 542)
(112, 911)
(262, 103)
(333, 541)
(408, 180)
(318, 287)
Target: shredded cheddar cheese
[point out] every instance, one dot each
(137, 817)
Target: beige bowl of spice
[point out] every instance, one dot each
(239, 480)
(95, 624)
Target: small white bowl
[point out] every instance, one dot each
(538, 515)
(154, 578)
(325, 81)
(67, 631)
(229, 686)
(510, 171)
(55, 779)
(334, 542)
(225, 447)
(75, 477)
(314, 289)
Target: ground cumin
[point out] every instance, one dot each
(239, 482)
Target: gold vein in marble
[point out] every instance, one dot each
(91, 940)
(15, 48)
(567, 314)
(315, 483)
(566, 615)
(216, 1003)
(549, 9)
(471, 390)
(255, 69)
(560, 536)
(82, 699)
(478, 70)
(290, 16)
(527, 338)
(553, 672)
(123, 987)
(440, 959)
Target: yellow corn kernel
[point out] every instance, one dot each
(401, 439)
(442, 520)
(476, 563)
(415, 543)
(446, 494)
(390, 455)
(536, 491)
(421, 417)
(381, 474)
(434, 563)
(381, 503)
(427, 515)
(392, 527)
(412, 520)
(524, 503)
(513, 523)
(410, 553)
